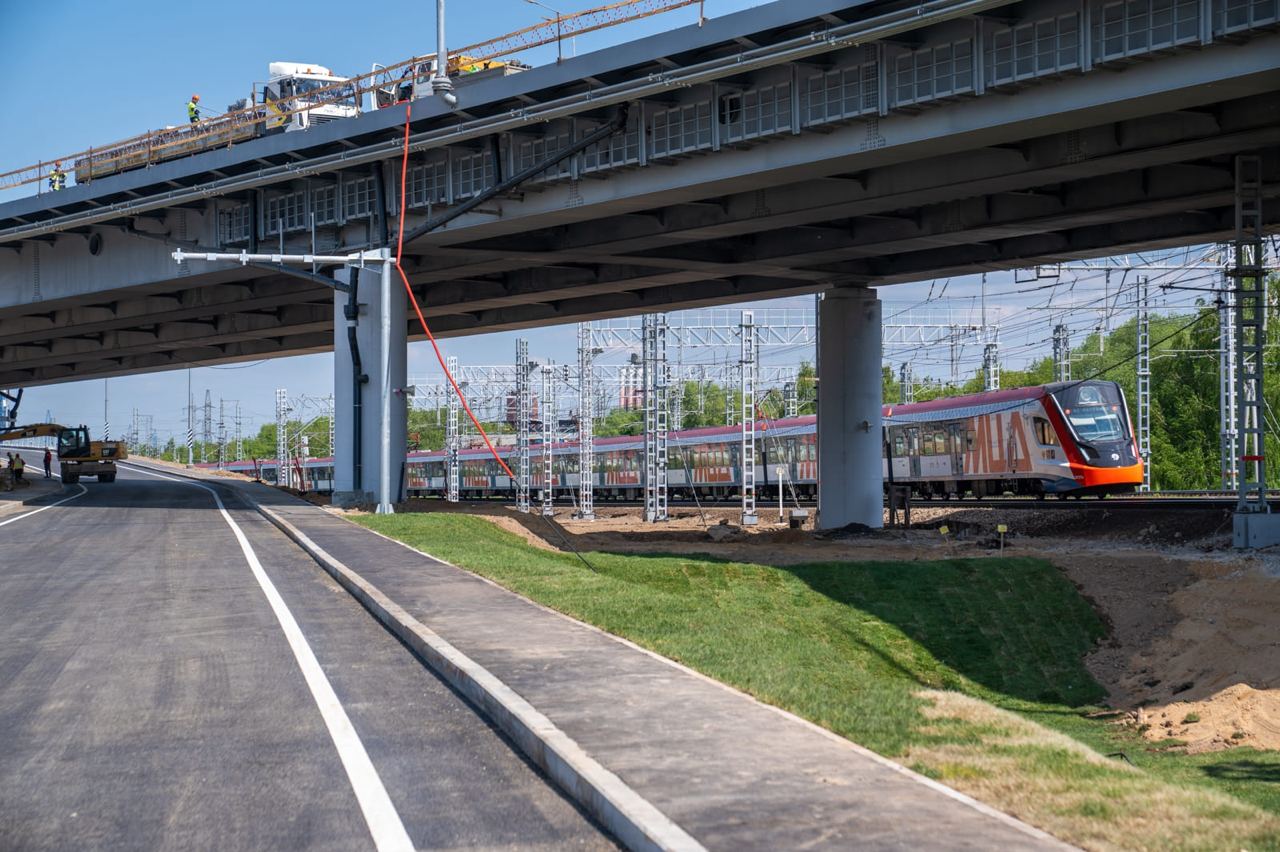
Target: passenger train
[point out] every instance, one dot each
(1065, 439)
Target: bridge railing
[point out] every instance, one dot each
(243, 123)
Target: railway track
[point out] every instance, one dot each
(1178, 503)
(1123, 504)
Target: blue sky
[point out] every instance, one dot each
(85, 73)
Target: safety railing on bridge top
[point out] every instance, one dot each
(224, 130)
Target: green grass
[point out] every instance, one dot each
(882, 653)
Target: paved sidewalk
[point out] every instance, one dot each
(730, 771)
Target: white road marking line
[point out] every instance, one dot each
(83, 491)
(379, 813)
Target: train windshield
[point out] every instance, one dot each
(1095, 411)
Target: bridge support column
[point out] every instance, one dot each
(360, 428)
(850, 475)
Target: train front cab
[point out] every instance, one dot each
(1092, 421)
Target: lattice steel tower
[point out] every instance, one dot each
(1228, 438)
(1144, 381)
(656, 381)
(586, 424)
(550, 418)
(524, 415)
(1061, 353)
(991, 366)
(451, 438)
(283, 474)
(747, 390)
(1251, 335)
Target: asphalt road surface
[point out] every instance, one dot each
(153, 694)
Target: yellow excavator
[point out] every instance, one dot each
(77, 455)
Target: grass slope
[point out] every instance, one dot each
(969, 671)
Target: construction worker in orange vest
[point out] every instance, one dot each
(193, 109)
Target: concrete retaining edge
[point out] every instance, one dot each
(632, 819)
(633, 833)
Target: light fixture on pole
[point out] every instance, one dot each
(559, 47)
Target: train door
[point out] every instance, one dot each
(956, 435)
(913, 450)
(1011, 445)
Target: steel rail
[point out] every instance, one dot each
(801, 47)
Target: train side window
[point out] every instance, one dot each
(899, 445)
(970, 438)
(913, 441)
(1044, 433)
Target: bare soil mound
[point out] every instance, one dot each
(1194, 653)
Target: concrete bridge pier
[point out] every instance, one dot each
(381, 436)
(850, 476)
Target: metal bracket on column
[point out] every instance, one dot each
(14, 399)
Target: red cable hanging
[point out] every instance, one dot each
(404, 169)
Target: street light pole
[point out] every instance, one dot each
(559, 42)
(440, 82)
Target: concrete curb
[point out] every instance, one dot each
(863, 751)
(635, 822)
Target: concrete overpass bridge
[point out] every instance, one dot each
(790, 148)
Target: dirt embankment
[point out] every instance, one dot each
(1193, 651)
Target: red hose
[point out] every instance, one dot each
(404, 170)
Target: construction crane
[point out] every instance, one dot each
(250, 118)
(77, 455)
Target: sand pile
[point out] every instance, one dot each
(1194, 653)
(1237, 716)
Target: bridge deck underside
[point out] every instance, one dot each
(767, 218)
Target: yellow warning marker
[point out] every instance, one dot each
(1002, 529)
